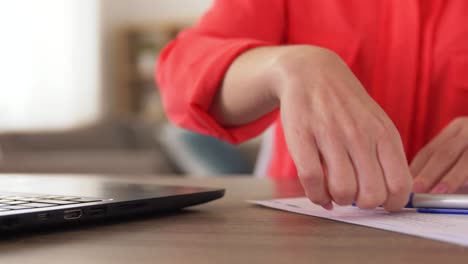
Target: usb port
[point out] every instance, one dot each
(72, 214)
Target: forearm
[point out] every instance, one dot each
(247, 91)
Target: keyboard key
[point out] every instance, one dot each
(15, 202)
(4, 200)
(87, 200)
(34, 196)
(66, 198)
(15, 207)
(27, 199)
(52, 197)
(56, 202)
(37, 205)
(4, 209)
(16, 197)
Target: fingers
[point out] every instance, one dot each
(372, 191)
(341, 179)
(396, 172)
(310, 171)
(371, 174)
(442, 155)
(456, 176)
(439, 163)
(422, 158)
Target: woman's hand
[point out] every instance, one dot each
(442, 166)
(330, 120)
(344, 146)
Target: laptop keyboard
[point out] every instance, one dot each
(11, 202)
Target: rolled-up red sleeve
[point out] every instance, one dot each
(191, 69)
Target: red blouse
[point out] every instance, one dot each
(411, 55)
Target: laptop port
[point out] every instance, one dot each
(72, 214)
(43, 216)
(97, 211)
(131, 206)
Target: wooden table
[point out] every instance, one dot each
(229, 230)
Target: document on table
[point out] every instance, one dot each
(446, 228)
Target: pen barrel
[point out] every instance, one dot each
(446, 201)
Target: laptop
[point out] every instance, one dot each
(28, 203)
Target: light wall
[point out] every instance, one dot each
(118, 13)
(49, 64)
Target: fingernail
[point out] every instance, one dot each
(441, 188)
(418, 187)
(328, 206)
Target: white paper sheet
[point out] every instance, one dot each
(442, 227)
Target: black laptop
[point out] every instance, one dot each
(54, 201)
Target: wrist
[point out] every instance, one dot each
(294, 64)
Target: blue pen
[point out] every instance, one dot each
(439, 203)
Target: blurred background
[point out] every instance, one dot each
(77, 91)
